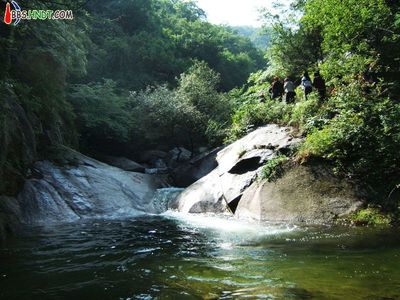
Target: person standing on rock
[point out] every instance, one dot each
(319, 84)
(276, 89)
(289, 90)
(306, 84)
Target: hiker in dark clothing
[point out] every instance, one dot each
(306, 84)
(319, 84)
(276, 89)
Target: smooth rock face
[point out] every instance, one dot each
(306, 193)
(204, 195)
(87, 189)
(195, 169)
(124, 164)
(238, 166)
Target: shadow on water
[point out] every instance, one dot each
(96, 260)
(199, 257)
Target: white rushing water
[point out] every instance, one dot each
(227, 228)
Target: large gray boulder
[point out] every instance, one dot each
(306, 193)
(195, 169)
(238, 167)
(85, 188)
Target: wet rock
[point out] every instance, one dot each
(86, 189)
(157, 171)
(123, 163)
(204, 195)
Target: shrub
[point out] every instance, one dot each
(306, 114)
(194, 113)
(370, 216)
(164, 117)
(362, 138)
(255, 114)
(273, 169)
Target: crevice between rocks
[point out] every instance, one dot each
(246, 165)
(233, 205)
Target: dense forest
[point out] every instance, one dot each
(122, 77)
(144, 74)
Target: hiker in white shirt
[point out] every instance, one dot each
(289, 90)
(306, 84)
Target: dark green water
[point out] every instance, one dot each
(178, 257)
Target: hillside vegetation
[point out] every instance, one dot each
(356, 47)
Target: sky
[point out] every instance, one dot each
(234, 12)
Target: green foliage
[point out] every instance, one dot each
(38, 58)
(57, 71)
(253, 115)
(172, 120)
(341, 38)
(308, 114)
(362, 136)
(216, 132)
(273, 169)
(293, 51)
(253, 108)
(101, 112)
(355, 45)
(159, 40)
(372, 217)
(199, 87)
(260, 38)
(193, 113)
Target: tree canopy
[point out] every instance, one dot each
(81, 81)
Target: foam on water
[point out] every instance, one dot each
(228, 226)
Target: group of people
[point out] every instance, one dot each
(287, 88)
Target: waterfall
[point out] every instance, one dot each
(163, 198)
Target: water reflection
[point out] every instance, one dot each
(196, 257)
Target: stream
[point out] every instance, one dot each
(178, 256)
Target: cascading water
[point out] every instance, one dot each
(163, 198)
